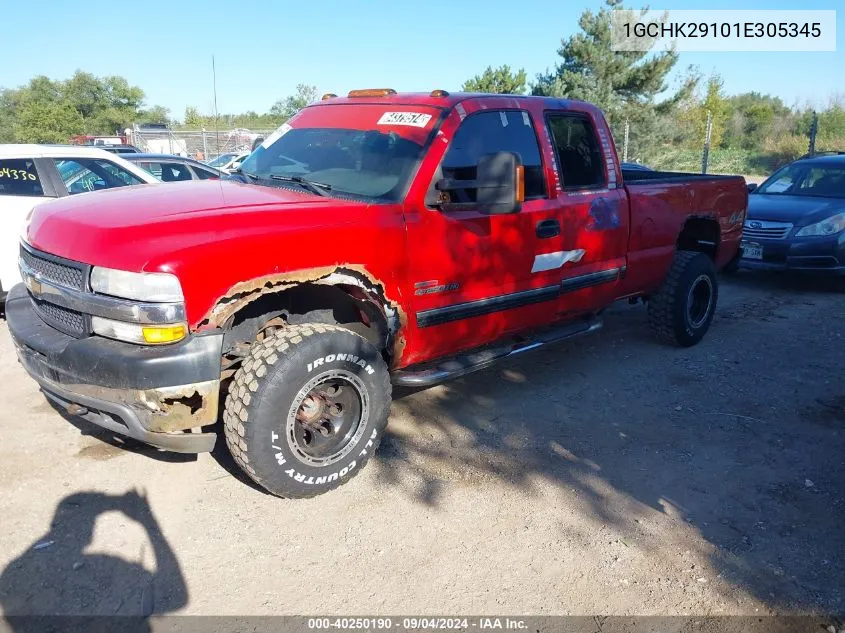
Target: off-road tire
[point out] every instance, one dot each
(258, 409)
(668, 311)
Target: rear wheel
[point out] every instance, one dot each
(307, 409)
(682, 309)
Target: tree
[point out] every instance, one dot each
(753, 117)
(193, 117)
(45, 122)
(626, 85)
(153, 114)
(289, 106)
(694, 115)
(498, 81)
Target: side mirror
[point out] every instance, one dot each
(500, 183)
(751, 186)
(499, 186)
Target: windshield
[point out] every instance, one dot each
(221, 160)
(365, 150)
(807, 179)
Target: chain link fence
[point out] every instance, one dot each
(678, 144)
(201, 144)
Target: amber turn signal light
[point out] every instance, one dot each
(372, 92)
(520, 183)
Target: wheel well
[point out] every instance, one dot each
(347, 306)
(701, 235)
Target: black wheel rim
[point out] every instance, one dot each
(327, 417)
(699, 301)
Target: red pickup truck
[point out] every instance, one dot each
(374, 239)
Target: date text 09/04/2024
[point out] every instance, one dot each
(417, 623)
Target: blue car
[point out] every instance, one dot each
(796, 218)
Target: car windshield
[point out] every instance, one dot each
(807, 179)
(359, 150)
(221, 160)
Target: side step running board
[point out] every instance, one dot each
(428, 374)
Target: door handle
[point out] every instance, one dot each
(548, 228)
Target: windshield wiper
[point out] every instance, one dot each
(249, 177)
(320, 188)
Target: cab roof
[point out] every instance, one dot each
(452, 99)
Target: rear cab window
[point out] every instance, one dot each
(19, 177)
(580, 162)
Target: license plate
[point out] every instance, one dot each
(752, 251)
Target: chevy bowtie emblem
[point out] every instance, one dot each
(755, 225)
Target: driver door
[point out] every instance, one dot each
(474, 276)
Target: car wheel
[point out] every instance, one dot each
(682, 310)
(307, 409)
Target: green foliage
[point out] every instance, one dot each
(287, 107)
(499, 80)
(623, 84)
(46, 110)
(47, 122)
(629, 86)
(694, 113)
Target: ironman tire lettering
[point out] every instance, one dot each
(307, 409)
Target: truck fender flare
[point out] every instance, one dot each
(355, 279)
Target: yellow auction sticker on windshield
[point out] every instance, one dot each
(414, 119)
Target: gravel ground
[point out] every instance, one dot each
(609, 475)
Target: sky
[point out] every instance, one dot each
(264, 49)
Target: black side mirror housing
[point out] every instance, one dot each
(752, 186)
(500, 184)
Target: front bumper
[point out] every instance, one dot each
(818, 256)
(152, 394)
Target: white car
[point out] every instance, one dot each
(229, 162)
(32, 174)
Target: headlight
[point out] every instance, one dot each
(155, 287)
(136, 333)
(830, 226)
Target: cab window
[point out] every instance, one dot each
(579, 158)
(18, 177)
(489, 132)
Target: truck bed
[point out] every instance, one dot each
(641, 175)
(661, 202)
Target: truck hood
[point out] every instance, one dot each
(799, 210)
(138, 228)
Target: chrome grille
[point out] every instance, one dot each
(68, 321)
(765, 230)
(53, 270)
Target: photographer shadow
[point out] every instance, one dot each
(56, 584)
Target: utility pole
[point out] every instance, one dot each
(814, 129)
(707, 134)
(216, 126)
(625, 144)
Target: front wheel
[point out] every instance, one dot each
(682, 309)
(307, 409)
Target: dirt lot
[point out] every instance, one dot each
(610, 475)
